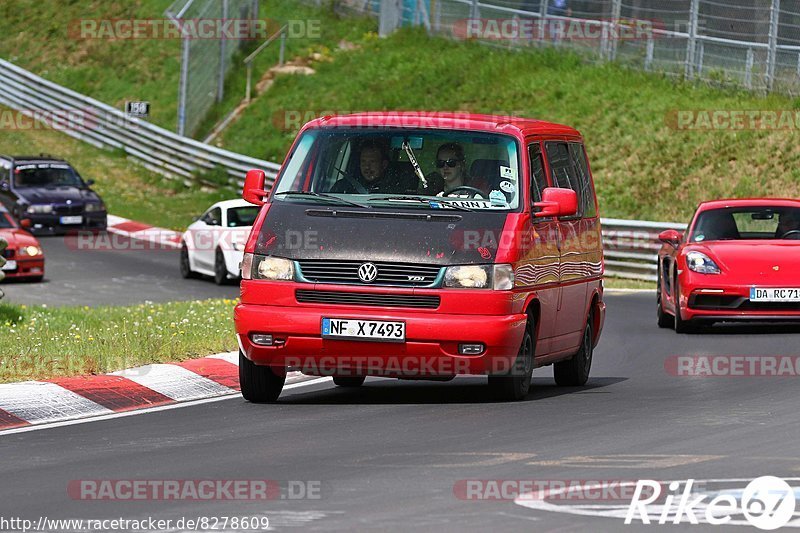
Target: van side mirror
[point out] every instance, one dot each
(557, 202)
(25, 223)
(671, 237)
(253, 191)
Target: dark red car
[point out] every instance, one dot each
(24, 255)
(738, 261)
(421, 246)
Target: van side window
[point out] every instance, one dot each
(563, 169)
(586, 192)
(538, 179)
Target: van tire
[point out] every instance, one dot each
(516, 384)
(259, 384)
(575, 372)
(349, 381)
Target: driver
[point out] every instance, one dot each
(373, 176)
(788, 221)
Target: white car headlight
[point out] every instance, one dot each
(267, 267)
(497, 277)
(701, 263)
(30, 250)
(38, 209)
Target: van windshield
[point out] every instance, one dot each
(414, 168)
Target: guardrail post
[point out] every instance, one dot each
(772, 51)
(183, 90)
(542, 19)
(648, 60)
(690, 43)
(223, 43)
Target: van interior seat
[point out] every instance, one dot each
(485, 174)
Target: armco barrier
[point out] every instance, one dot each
(631, 247)
(103, 126)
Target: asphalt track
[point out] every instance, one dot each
(388, 456)
(118, 271)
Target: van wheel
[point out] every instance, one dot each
(665, 320)
(220, 268)
(186, 268)
(259, 384)
(575, 372)
(515, 385)
(349, 381)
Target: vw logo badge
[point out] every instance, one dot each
(367, 272)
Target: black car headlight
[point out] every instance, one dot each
(95, 207)
(40, 209)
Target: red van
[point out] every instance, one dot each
(423, 246)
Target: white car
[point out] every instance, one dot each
(214, 244)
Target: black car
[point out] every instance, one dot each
(51, 194)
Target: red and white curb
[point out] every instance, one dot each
(143, 232)
(31, 403)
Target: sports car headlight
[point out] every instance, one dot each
(30, 250)
(701, 263)
(497, 277)
(267, 267)
(39, 209)
(93, 208)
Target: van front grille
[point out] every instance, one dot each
(391, 274)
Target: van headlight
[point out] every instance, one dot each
(701, 263)
(267, 267)
(497, 277)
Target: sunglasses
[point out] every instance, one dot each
(449, 162)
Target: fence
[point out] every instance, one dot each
(205, 62)
(749, 43)
(103, 126)
(630, 247)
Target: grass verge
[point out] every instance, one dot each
(41, 342)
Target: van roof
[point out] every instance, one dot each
(444, 120)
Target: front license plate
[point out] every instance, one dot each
(72, 220)
(774, 295)
(364, 330)
(10, 265)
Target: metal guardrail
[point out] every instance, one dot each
(103, 126)
(631, 247)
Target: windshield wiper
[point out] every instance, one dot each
(323, 196)
(422, 199)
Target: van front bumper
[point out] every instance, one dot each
(431, 348)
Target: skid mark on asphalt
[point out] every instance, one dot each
(444, 459)
(628, 461)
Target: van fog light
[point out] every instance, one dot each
(260, 338)
(470, 349)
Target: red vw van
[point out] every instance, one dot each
(423, 246)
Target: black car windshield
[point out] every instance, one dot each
(46, 176)
(5, 221)
(747, 223)
(404, 168)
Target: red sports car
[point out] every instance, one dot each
(24, 255)
(739, 260)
